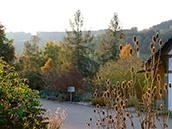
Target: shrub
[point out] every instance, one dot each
(98, 100)
(34, 77)
(18, 105)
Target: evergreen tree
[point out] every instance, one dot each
(7, 51)
(80, 43)
(108, 47)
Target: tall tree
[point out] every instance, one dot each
(108, 47)
(7, 51)
(78, 41)
(31, 47)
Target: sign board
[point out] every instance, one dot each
(71, 89)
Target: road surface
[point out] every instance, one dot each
(78, 114)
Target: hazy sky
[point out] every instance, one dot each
(53, 15)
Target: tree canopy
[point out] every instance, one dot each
(7, 51)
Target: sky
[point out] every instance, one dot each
(53, 15)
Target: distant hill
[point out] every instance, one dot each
(163, 26)
(144, 37)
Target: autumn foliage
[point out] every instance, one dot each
(71, 78)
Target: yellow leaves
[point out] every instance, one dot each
(125, 52)
(48, 65)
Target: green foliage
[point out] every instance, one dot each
(80, 45)
(108, 47)
(120, 70)
(18, 105)
(7, 51)
(34, 77)
(51, 50)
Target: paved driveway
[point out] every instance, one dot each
(79, 114)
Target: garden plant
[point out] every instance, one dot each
(118, 97)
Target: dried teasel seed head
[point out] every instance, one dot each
(119, 93)
(127, 114)
(169, 85)
(160, 42)
(153, 50)
(132, 124)
(132, 69)
(103, 120)
(103, 112)
(131, 51)
(129, 84)
(94, 110)
(118, 88)
(154, 39)
(110, 116)
(134, 38)
(117, 99)
(99, 77)
(151, 46)
(145, 66)
(123, 85)
(154, 90)
(160, 92)
(123, 106)
(146, 75)
(97, 106)
(108, 94)
(137, 49)
(91, 119)
(120, 47)
(124, 118)
(137, 42)
(157, 35)
(94, 95)
(138, 114)
(116, 108)
(121, 102)
(149, 90)
(161, 106)
(108, 82)
(117, 83)
(165, 87)
(113, 86)
(158, 77)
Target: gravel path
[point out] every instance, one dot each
(78, 114)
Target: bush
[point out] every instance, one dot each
(98, 100)
(34, 76)
(87, 99)
(18, 105)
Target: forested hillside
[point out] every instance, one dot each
(144, 37)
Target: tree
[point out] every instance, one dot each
(31, 47)
(50, 75)
(7, 51)
(108, 47)
(51, 50)
(78, 43)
